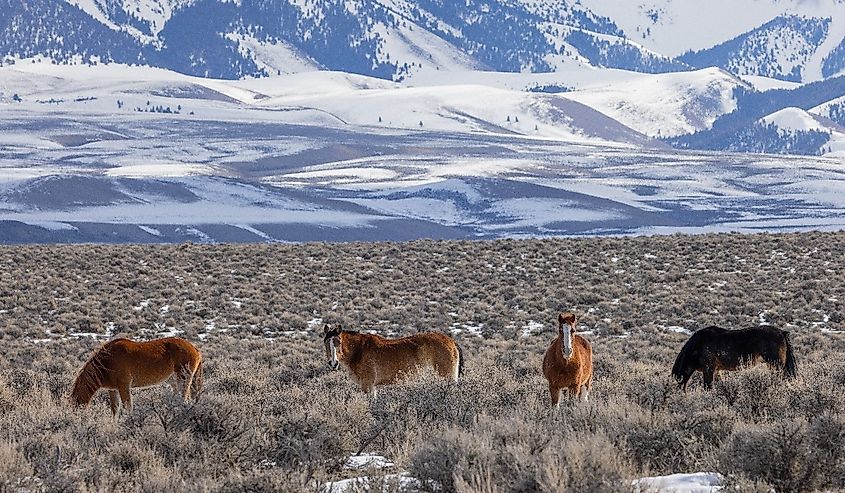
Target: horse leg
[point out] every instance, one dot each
(125, 396)
(370, 389)
(173, 381)
(186, 380)
(555, 394)
(113, 402)
(574, 392)
(585, 392)
(709, 373)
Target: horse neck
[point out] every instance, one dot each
(90, 380)
(353, 345)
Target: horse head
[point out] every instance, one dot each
(331, 340)
(566, 328)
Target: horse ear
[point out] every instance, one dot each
(566, 318)
(326, 329)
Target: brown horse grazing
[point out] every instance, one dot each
(374, 360)
(121, 364)
(569, 362)
(713, 348)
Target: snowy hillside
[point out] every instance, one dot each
(321, 98)
(833, 110)
(666, 105)
(792, 121)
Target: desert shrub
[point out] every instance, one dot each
(514, 457)
(15, 470)
(791, 455)
(263, 481)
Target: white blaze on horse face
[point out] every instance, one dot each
(333, 364)
(567, 342)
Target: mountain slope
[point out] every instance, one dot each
(741, 129)
(676, 27)
(391, 39)
(779, 49)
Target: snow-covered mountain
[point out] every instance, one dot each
(402, 39)
(642, 74)
(780, 49)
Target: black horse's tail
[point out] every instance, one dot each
(460, 360)
(679, 369)
(789, 366)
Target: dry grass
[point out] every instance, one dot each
(272, 418)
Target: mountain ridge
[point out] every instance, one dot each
(399, 39)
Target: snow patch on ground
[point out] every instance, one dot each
(365, 461)
(679, 330)
(533, 327)
(158, 170)
(699, 482)
(53, 225)
(467, 328)
(150, 230)
(363, 484)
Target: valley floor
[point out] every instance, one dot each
(116, 154)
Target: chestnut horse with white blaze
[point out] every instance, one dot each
(568, 363)
(122, 364)
(373, 360)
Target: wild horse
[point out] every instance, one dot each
(712, 349)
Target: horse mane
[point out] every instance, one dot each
(90, 377)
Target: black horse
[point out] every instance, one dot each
(713, 348)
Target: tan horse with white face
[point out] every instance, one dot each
(568, 363)
(373, 360)
(122, 364)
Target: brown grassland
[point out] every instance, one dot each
(273, 418)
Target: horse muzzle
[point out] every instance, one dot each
(333, 365)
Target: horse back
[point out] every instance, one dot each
(392, 358)
(729, 349)
(755, 340)
(147, 363)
